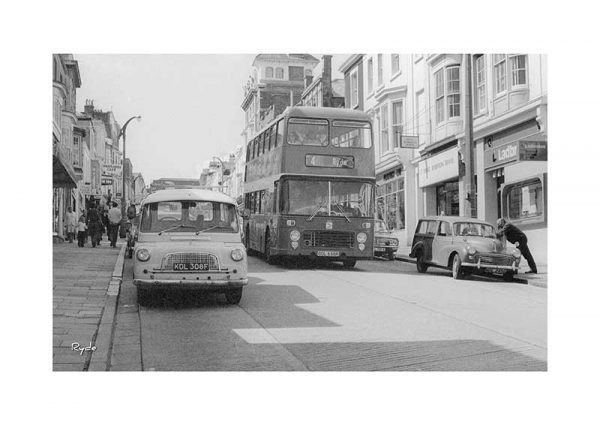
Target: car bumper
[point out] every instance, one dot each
(388, 249)
(514, 267)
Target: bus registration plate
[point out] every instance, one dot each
(187, 267)
(328, 253)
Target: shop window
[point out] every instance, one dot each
(525, 200)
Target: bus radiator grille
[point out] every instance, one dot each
(328, 239)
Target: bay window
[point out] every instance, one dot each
(453, 91)
(480, 95)
(397, 121)
(383, 129)
(500, 73)
(379, 69)
(518, 66)
(395, 63)
(439, 96)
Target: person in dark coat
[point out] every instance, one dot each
(515, 236)
(95, 226)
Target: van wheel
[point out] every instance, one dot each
(143, 296)
(348, 264)
(421, 264)
(234, 296)
(457, 269)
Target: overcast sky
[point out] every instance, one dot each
(190, 106)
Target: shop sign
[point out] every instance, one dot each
(440, 167)
(86, 190)
(107, 182)
(111, 170)
(516, 151)
(533, 151)
(409, 142)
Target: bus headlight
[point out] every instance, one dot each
(361, 246)
(142, 254)
(294, 235)
(294, 245)
(237, 254)
(361, 237)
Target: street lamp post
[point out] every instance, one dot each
(122, 133)
(224, 171)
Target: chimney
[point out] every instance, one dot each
(89, 106)
(326, 81)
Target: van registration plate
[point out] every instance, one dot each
(328, 253)
(190, 267)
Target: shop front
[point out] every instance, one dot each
(439, 182)
(391, 201)
(516, 169)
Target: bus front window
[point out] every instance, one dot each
(349, 134)
(317, 197)
(312, 132)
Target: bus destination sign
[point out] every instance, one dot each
(329, 161)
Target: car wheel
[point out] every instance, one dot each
(348, 264)
(421, 264)
(508, 276)
(143, 296)
(457, 269)
(233, 296)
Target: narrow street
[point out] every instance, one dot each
(382, 315)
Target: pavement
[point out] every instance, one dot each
(539, 279)
(85, 289)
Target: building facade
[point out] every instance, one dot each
(417, 103)
(276, 82)
(324, 87)
(66, 141)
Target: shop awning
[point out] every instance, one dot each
(62, 171)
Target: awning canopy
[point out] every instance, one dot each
(62, 171)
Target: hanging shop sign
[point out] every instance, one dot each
(107, 181)
(439, 167)
(409, 142)
(111, 170)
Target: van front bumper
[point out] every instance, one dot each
(191, 283)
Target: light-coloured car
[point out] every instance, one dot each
(189, 239)
(463, 245)
(386, 244)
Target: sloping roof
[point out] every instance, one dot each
(285, 57)
(188, 195)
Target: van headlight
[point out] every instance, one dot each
(361, 237)
(237, 254)
(142, 254)
(294, 235)
(471, 250)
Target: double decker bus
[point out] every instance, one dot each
(309, 187)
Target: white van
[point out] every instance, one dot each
(189, 239)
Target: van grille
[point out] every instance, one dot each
(328, 239)
(190, 257)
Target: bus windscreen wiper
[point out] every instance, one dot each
(321, 205)
(174, 228)
(339, 207)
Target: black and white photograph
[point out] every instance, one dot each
(299, 213)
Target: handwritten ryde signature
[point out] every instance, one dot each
(76, 347)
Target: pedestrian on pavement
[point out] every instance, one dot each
(94, 224)
(515, 236)
(81, 231)
(114, 219)
(71, 220)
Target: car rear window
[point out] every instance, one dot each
(427, 227)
